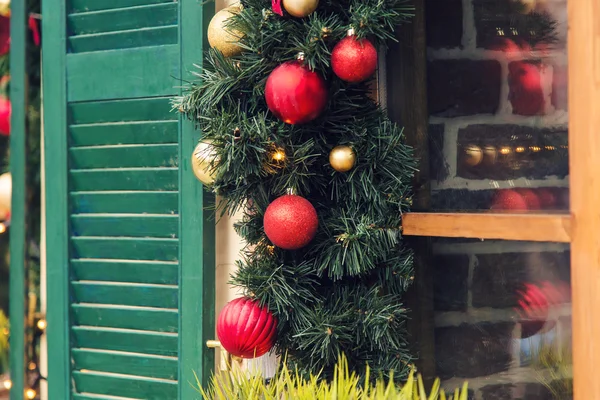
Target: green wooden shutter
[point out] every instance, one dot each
(130, 254)
(18, 172)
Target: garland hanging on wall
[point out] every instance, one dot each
(293, 138)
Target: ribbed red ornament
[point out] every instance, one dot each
(291, 222)
(354, 60)
(295, 94)
(5, 111)
(508, 199)
(245, 329)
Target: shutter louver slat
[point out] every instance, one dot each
(137, 17)
(121, 385)
(76, 6)
(153, 272)
(137, 318)
(133, 341)
(159, 296)
(159, 226)
(126, 363)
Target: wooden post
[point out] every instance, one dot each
(584, 154)
(407, 104)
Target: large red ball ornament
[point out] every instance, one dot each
(295, 94)
(354, 60)
(291, 222)
(509, 199)
(245, 329)
(5, 111)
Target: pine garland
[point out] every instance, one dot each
(344, 292)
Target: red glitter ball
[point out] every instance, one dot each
(509, 199)
(295, 94)
(245, 329)
(354, 60)
(291, 222)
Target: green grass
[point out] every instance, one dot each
(346, 385)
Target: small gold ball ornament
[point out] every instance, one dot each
(204, 155)
(300, 8)
(472, 155)
(221, 38)
(490, 155)
(342, 158)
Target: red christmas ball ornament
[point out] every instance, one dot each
(245, 329)
(533, 309)
(295, 94)
(509, 199)
(547, 198)
(5, 111)
(4, 35)
(526, 95)
(291, 222)
(532, 200)
(354, 60)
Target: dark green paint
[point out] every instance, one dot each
(125, 202)
(87, 5)
(144, 388)
(124, 179)
(153, 272)
(55, 166)
(128, 210)
(126, 73)
(17, 167)
(151, 249)
(139, 225)
(159, 296)
(120, 156)
(123, 39)
(197, 307)
(162, 344)
(146, 132)
(128, 364)
(125, 318)
(140, 110)
(123, 19)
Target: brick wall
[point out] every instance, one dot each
(493, 86)
(489, 87)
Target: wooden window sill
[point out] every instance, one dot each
(525, 226)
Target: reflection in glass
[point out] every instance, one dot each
(502, 315)
(497, 98)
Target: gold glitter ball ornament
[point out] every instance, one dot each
(204, 155)
(300, 8)
(342, 158)
(221, 38)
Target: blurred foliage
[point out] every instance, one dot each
(345, 385)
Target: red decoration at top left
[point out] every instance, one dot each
(4, 35)
(295, 94)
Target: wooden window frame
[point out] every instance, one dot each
(580, 227)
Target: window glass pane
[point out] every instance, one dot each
(497, 100)
(501, 313)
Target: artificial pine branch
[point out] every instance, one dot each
(343, 292)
